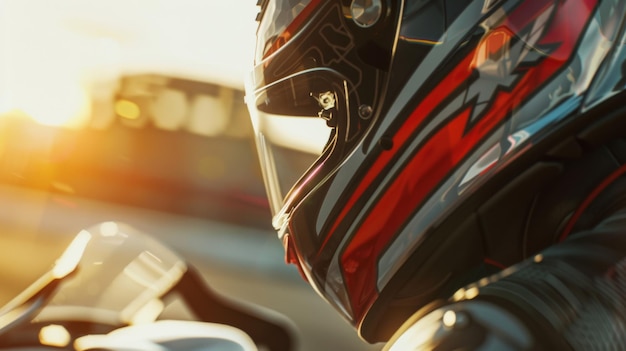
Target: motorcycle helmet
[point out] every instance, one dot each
(388, 132)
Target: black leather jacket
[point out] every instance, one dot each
(569, 296)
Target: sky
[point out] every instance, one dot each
(66, 50)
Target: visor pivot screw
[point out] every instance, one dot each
(365, 13)
(365, 111)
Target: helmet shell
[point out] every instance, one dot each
(464, 97)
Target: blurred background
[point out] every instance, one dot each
(132, 110)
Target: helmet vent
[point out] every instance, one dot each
(386, 143)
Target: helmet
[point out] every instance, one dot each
(387, 131)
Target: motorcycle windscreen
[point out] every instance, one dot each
(120, 278)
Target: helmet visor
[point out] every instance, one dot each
(295, 121)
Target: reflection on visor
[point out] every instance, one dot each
(294, 120)
(307, 135)
(282, 166)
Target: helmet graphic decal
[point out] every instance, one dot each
(414, 148)
(448, 139)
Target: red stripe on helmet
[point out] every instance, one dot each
(442, 91)
(440, 154)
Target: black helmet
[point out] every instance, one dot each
(383, 126)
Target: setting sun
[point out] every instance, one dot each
(70, 55)
(68, 107)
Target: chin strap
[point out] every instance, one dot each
(572, 296)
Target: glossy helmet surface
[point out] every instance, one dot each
(382, 126)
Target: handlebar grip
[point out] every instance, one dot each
(265, 327)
